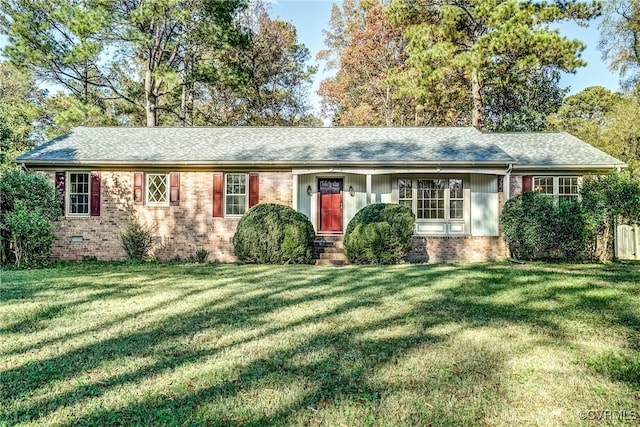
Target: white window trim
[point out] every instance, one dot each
(554, 183)
(576, 194)
(67, 196)
(146, 189)
(246, 194)
(438, 226)
(447, 199)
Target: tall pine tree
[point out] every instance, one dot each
(460, 49)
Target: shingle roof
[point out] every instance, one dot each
(552, 149)
(307, 146)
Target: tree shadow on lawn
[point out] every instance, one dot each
(36, 319)
(23, 381)
(331, 378)
(52, 311)
(105, 285)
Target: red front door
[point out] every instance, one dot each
(330, 204)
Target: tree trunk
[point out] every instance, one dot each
(388, 107)
(477, 108)
(186, 105)
(183, 106)
(151, 100)
(602, 242)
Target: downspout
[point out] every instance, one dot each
(506, 184)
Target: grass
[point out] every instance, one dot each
(187, 345)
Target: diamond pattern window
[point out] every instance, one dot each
(158, 189)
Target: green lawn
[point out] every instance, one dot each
(179, 344)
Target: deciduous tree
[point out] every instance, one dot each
(362, 93)
(263, 82)
(584, 114)
(607, 120)
(621, 135)
(620, 39)
(607, 200)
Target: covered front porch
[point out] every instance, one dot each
(447, 201)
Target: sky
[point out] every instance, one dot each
(311, 17)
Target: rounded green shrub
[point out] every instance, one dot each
(526, 220)
(28, 205)
(274, 234)
(379, 234)
(536, 228)
(30, 236)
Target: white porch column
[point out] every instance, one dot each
(368, 189)
(294, 196)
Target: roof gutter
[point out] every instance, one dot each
(230, 163)
(569, 167)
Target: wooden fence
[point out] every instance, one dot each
(627, 243)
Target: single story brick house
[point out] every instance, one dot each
(194, 184)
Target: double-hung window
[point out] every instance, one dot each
(560, 187)
(79, 193)
(157, 189)
(456, 199)
(405, 192)
(543, 184)
(235, 194)
(568, 188)
(430, 198)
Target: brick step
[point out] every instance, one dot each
(329, 250)
(323, 244)
(332, 262)
(329, 237)
(333, 256)
(328, 243)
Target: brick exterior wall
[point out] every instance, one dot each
(180, 230)
(457, 249)
(184, 229)
(436, 249)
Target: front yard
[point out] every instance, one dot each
(179, 344)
